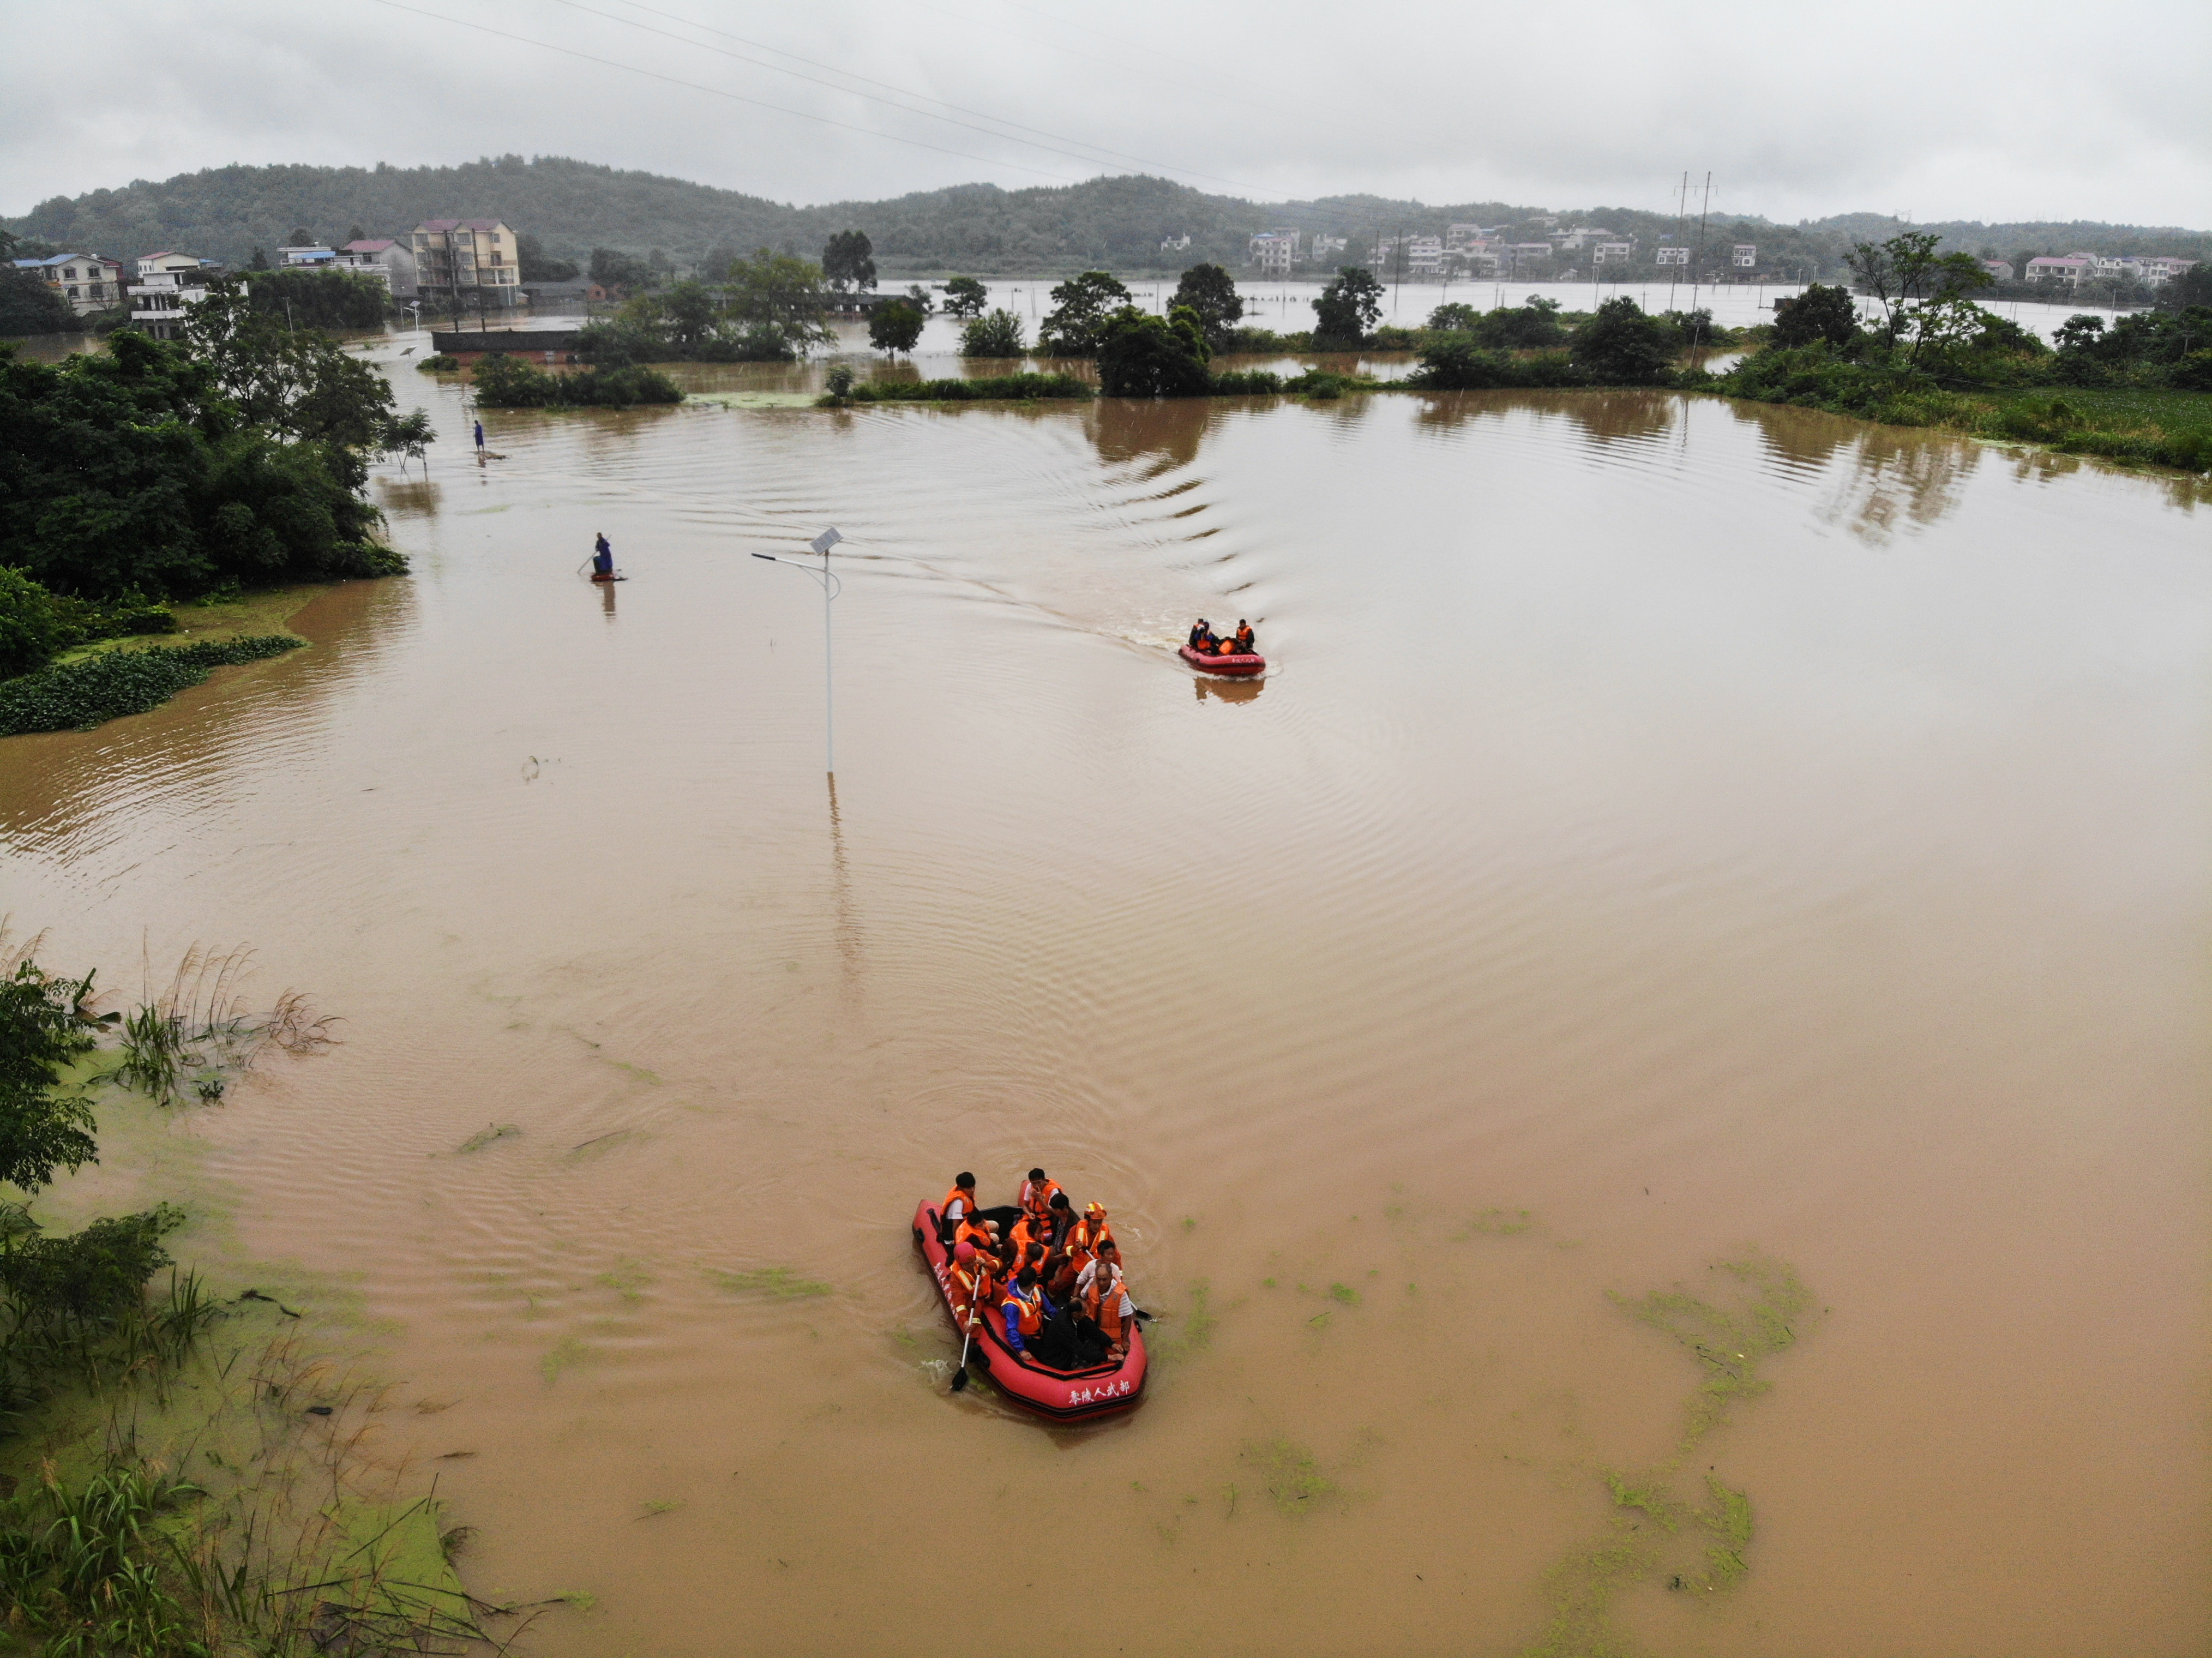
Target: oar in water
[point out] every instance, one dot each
(960, 1376)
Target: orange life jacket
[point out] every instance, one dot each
(1243, 641)
(1083, 1239)
(1103, 1301)
(1029, 1305)
(966, 1199)
(972, 1289)
(972, 1231)
(1031, 1229)
(1037, 1199)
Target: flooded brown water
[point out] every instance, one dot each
(1705, 829)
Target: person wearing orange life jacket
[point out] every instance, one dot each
(983, 1234)
(1106, 1302)
(959, 1203)
(1083, 1238)
(1103, 1291)
(1038, 1193)
(1242, 642)
(972, 1287)
(1032, 1230)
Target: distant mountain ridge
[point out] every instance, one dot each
(1116, 223)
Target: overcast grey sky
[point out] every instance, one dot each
(1931, 108)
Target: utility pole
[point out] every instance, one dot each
(831, 586)
(1697, 259)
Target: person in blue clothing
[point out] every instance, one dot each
(1036, 1326)
(603, 557)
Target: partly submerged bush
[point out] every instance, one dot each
(78, 695)
(1459, 363)
(998, 387)
(505, 382)
(438, 364)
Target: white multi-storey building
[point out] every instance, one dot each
(169, 286)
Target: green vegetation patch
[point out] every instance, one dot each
(1759, 1309)
(775, 1283)
(993, 388)
(78, 695)
(1289, 1472)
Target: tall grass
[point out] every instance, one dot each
(198, 1028)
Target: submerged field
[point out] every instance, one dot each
(1641, 1066)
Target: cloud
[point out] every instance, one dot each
(1935, 109)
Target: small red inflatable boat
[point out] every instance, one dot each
(1234, 667)
(1063, 1396)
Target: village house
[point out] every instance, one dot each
(1274, 251)
(468, 259)
(1999, 269)
(381, 256)
(1615, 252)
(1744, 256)
(2062, 270)
(169, 284)
(87, 281)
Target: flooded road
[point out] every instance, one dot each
(1673, 833)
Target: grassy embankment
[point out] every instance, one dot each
(89, 685)
(184, 1468)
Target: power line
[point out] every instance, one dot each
(735, 97)
(762, 45)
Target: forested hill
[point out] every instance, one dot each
(1119, 223)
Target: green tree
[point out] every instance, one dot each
(536, 265)
(1905, 272)
(259, 261)
(779, 300)
(28, 625)
(1619, 345)
(28, 306)
(919, 298)
(1453, 319)
(620, 272)
(1351, 303)
(1820, 313)
(965, 298)
(848, 261)
(998, 335)
(44, 1023)
(1076, 326)
(1210, 293)
(1143, 355)
(895, 327)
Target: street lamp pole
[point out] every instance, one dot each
(831, 586)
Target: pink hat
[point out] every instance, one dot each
(963, 1252)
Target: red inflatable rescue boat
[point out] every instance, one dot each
(1063, 1396)
(1234, 667)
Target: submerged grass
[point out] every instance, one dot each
(776, 1283)
(1760, 1308)
(1289, 1472)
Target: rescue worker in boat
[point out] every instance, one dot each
(972, 1287)
(1082, 1239)
(959, 1203)
(1035, 1326)
(602, 558)
(1103, 1291)
(979, 1234)
(1030, 1232)
(1242, 641)
(1062, 1277)
(1202, 636)
(1038, 1193)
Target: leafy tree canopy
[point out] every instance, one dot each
(1209, 292)
(44, 1023)
(1076, 326)
(965, 297)
(1820, 313)
(1351, 303)
(848, 261)
(1142, 356)
(998, 335)
(895, 327)
(1622, 346)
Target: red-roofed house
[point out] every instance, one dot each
(472, 260)
(2063, 271)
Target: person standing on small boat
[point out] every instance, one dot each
(602, 559)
